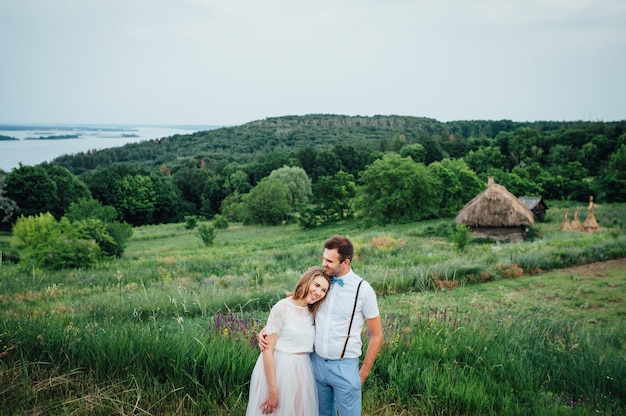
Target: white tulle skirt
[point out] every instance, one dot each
(297, 392)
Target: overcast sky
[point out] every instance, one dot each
(228, 62)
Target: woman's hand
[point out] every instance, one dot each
(270, 404)
(262, 338)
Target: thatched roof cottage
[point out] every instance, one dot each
(496, 214)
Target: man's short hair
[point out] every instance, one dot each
(343, 246)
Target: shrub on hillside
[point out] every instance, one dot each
(220, 222)
(121, 233)
(91, 208)
(49, 244)
(68, 254)
(206, 232)
(461, 236)
(191, 221)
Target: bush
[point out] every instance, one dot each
(121, 233)
(68, 254)
(191, 221)
(43, 242)
(207, 234)
(267, 203)
(8, 254)
(220, 222)
(461, 236)
(310, 218)
(91, 208)
(439, 230)
(533, 233)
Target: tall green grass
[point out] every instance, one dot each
(442, 360)
(499, 365)
(169, 328)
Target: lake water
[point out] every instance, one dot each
(83, 138)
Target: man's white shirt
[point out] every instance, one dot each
(333, 318)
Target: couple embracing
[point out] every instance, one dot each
(311, 345)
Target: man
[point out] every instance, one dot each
(350, 303)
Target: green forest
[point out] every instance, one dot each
(320, 169)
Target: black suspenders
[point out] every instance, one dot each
(351, 319)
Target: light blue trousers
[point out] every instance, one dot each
(338, 386)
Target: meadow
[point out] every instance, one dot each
(169, 329)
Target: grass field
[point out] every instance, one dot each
(513, 329)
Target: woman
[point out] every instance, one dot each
(282, 381)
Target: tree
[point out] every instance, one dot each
(560, 155)
(395, 189)
(433, 149)
(135, 198)
(484, 158)
(527, 180)
(44, 188)
(606, 146)
(238, 181)
(566, 181)
(458, 184)
(298, 183)
(415, 151)
(353, 160)
(267, 203)
(332, 196)
(121, 232)
(233, 207)
(201, 188)
(69, 188)
(8, 207)
(613, 183)
(32, 189)
(270, 162)
(103, 182)
(91, 208)
(307, 157)
(326, 164)
(516, 146)
(523, 181)
(168, 206)
(589, 156)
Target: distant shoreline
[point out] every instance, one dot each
(33, 144)
(106, 127)
(60, 137)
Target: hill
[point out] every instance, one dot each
(249, 141)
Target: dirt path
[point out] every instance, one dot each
(597, 269)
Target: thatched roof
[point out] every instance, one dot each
(495, 207)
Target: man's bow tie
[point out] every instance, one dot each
(338, 280)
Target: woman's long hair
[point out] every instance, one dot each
(302, 287)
